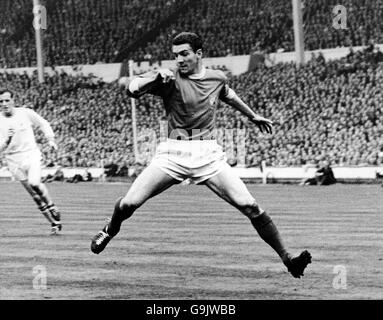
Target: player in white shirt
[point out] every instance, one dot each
(18, 144)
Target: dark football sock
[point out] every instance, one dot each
(270, 234)
(118, 217)
(45, 213)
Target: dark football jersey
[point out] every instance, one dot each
(190, 102)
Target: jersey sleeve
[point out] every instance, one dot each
(40, 122)
(224, 92)
(225, 88)
(156, 87)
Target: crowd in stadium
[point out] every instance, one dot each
(330, 110)
(323, 109)
(89, 32)
(88, 117)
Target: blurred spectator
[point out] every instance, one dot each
(111, 169)
(324, 176)
(123, 170)
(57, 176)
(85, 177)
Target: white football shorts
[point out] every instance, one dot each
(196, 160)
(25, 165)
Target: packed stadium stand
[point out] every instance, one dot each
(89, 31)
(322, 109)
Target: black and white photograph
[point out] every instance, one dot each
(209, 152)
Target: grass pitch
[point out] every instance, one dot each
(188, 244)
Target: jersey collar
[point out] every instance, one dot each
(200, 75)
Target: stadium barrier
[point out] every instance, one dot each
(108, 72)
(236, 65)
(282, 174)
(264, 174)
(328, 54)
(97, 173)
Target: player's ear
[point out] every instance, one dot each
(199, 53)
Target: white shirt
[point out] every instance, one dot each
(22, 122)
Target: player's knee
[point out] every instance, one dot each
(34, 184)
(36, 198)
(250, 208)
(129, 204)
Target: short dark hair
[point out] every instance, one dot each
(191, 38)
(4, 90)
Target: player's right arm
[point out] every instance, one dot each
(2, 143)
(44, 126)
(150, 82)
(5, 141)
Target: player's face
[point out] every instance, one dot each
(187, 60)
(7, 103)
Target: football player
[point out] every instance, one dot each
(23, 157)
(190, 95)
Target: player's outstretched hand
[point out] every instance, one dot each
(265, 125)
(123, 81)
(166, 75)
(53, 145)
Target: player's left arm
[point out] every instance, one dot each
(229, 96)
(44, 126)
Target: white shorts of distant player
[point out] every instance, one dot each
(196, 160)
(25, 166)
